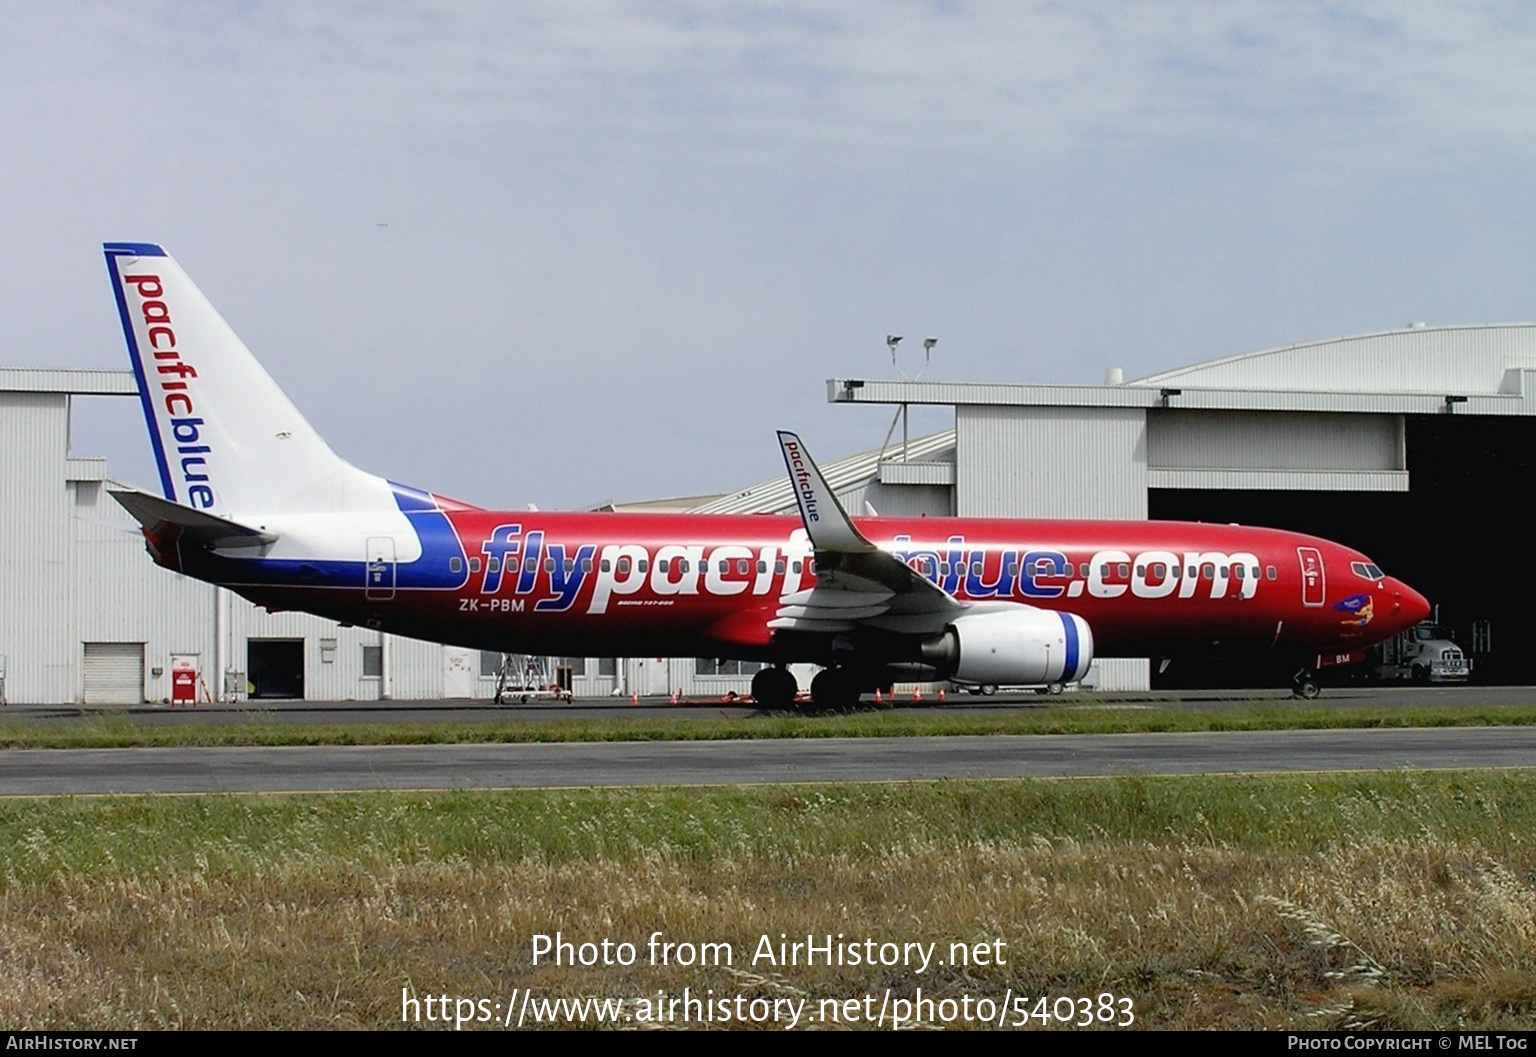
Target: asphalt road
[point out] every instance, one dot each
(25, 772)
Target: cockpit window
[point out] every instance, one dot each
(1366, 570)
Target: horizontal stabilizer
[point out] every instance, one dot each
(197, 527)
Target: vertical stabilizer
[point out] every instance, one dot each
(226, 438)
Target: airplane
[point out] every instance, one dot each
(255, 501)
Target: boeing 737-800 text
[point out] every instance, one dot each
(255, 500)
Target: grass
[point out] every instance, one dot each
(1394, 901)
(106, 730)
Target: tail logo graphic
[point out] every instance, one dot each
(147, 318)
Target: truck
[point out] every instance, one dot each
(1423, 654)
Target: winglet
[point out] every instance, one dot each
(826, 522)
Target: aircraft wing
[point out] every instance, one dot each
(195, 527)
(857, 583)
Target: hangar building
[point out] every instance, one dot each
(1410, 445)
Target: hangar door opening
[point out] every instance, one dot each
(1458, 535)
(275, 668)
(114, 673)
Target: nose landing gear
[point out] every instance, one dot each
(1304, 684)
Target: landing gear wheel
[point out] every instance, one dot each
(1304, 684)
(988, 689)
(1056, 688)
(774, 688)
(834, 688)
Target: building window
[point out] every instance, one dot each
(713, 666)
(607, 666)
(373, 662)
(490, 664)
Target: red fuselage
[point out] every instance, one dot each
(708, 585)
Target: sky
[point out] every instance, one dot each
(568, 252)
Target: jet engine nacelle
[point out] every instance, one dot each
(1018, 646)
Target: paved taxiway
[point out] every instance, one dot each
(620, 709)
(306, 769)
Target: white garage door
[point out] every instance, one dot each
(114, 673)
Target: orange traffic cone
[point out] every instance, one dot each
(941, 695)
(634, 701)
(878, 699)
(917, 695)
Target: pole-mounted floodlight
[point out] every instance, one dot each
(891, 341)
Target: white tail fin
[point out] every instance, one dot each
(227, 439)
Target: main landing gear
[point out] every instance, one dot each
(774, 688)
(1304, 684)
(834, 689)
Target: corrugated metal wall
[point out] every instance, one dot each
(1273, 440)
(1087, 462)
(121, 596)
(36, 602)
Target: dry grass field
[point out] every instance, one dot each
(1390, 901)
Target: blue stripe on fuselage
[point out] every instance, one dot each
(439, 545)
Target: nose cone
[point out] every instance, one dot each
(1408, 606)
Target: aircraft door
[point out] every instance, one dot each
(1313, 582)
(380, 568)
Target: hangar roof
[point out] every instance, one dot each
(776, 495)
(1487, 369)
(1459, 359)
